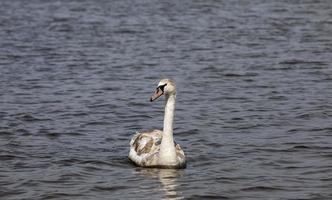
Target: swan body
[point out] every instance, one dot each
(157, 148)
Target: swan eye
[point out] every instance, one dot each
(162, 87)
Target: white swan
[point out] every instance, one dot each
(157, 148)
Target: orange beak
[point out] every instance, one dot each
(156, 94)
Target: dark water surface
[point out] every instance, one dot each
(254, 104)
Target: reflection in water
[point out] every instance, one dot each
(167, 178)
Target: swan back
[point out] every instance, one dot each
(145, 148)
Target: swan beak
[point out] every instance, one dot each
(156, 94)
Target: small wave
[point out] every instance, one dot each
(103, 105)
(295, 62)
(312, 171)
(208, 197)
(237, 119)
(247, 74)
(301, 147)
(261, 188)
(213, 69)
(23, 131)
(6, 132)
(61, 195)
(28, 117)
(6, 157)
(324, 130)
(97, 123)
(67, 162)
(189, 132)
(73, 133)
(109, 188)
(313, 147)
(95, 162)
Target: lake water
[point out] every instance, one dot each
(254, 101)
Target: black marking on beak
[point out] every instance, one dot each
(162, 87)
(159, 91)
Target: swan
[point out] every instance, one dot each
(157, 148)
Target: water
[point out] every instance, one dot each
(253, 108)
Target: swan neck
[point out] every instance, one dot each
(167, 154)
(168, 118)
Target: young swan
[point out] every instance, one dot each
(157, 148)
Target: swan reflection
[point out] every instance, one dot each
(168, 179)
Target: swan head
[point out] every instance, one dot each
(166, 87)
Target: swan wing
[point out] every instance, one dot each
(144, 148)
(180, 156)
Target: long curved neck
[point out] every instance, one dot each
(168, 118)
(167, 150)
